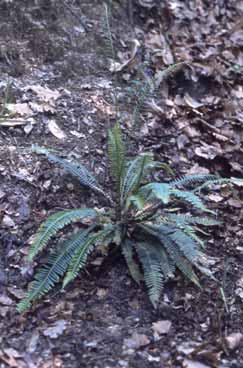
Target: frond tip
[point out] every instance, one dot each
(53, 224)
(55, 268)
(85, 177)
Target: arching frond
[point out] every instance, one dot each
(153, 275)
(180, 220)
(193, 180)
(190, 197)
(53, 224)
(80, 256)
(54, 269)
(128, 253)
(178, 259)
(163, 233)
(186, 244)
(79, 171)
(219, 181)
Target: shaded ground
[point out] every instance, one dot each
(196, 126)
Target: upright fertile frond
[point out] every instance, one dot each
(80, 256)
(116, 152)
(79, 171)
(142, 92)
(193, 180)
(128, 253)
(55, 268)
(53, 224)
(134, 174)
(153, 275)
(107, 34)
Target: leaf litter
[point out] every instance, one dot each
(194, 123)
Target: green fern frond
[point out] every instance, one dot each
(81, 254)
(179, 260)
(219, 181)
(138, 200)
(190, 197)
(191, 231)
(167, 266)
(116, 151)
(79, 171)
(153, 275)
(159, 190)
(193, 180)
(186, 245)
(180, 220)
(142, 91)
(163, 234)
(127, 247)
(134, 174)
(53, 224)
(55, 268)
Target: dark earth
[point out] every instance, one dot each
(55, 90)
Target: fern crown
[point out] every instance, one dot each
(146, 223)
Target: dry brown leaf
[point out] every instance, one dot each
(194, 104)
(21, 109)
(12, 122)
(136, 341)
(187, 363)
(161, 327)
(55, 130)
(117, 67)
(56, 330)
(44, 93)
(5, 300)
(234, 340)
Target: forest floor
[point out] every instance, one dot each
(55, 90)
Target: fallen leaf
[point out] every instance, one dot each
(214, 197)
(21, 109)
(235, 203)
(55, 130)
(56, 330)
(117, 67)
(5, 300)
(136, 341)
(18, 293)
(44, 93)
(161, 327)
(234, 340)
(12, 122)
(192, 102)
(7, 221)
(187, 363)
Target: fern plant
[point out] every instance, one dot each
(144, 224)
